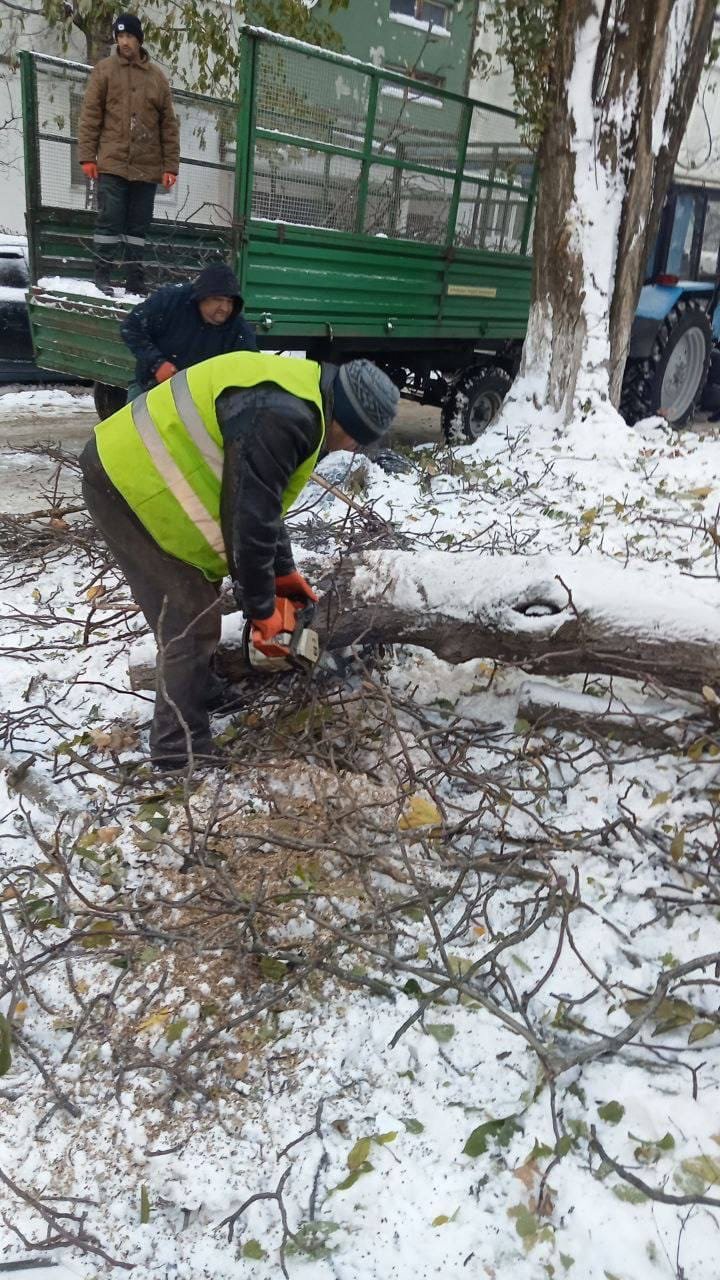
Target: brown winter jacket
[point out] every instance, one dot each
(128, 124)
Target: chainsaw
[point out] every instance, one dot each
(295, 648)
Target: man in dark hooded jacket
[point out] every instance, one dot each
(181, 325)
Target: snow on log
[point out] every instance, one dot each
(549, 614)
(553, 615)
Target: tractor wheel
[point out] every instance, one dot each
(473, 401)
(108, 399)
(671, 380)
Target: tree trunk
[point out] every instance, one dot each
(625, 74)
(549, 615)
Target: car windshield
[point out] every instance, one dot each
(13, 269)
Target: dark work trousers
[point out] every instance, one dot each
(181, 607)
(125, 211)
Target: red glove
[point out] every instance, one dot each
(164, 371)
(90, 170)
(294, 587)
(169, 180)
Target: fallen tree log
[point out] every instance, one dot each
(549, 615)
(665, 723)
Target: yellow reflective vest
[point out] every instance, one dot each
(164, 452)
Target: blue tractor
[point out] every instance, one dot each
(674, 361)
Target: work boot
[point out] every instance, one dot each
(135, 278)
(103, 271)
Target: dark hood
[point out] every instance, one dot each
(217, 280)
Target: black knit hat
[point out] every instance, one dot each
(128, 23)
(365, 400)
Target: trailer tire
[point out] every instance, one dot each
(108, 399)
(473, 401)
(672, 378)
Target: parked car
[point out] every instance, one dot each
(17, 358)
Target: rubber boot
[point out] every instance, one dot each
(103, 271)
(135, 278)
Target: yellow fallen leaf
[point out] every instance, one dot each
(710, 696)
(95, 592)
(419, 812)
(155, 1021)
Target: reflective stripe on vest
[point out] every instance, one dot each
(164, 452)
(174, 478)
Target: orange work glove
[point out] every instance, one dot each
(294, 587)
(264, 630)
(164, 371)
(169, 180)
(90, 170)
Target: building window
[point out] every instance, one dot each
(414, 73)
(422, 13)
(425, 81)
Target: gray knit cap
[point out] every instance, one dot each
(365, 400)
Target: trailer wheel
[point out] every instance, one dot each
(473, 401)
(108, 399)
(671, 379)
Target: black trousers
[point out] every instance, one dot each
(125, 211)
(181, 607)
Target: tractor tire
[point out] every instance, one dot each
(108, 399)
(670, 381)
(473, 401)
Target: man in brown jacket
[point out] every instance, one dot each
(128, 143)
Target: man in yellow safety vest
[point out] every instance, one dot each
(191, 481)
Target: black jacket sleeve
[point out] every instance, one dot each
(267, 434)
(139, 332)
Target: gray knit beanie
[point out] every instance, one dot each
(365, 400)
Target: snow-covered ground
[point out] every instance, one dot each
(415, 988)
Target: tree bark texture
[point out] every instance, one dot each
(552, 616)
(624, 78)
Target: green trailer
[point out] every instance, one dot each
(364, 212)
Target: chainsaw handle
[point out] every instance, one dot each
(303, 619)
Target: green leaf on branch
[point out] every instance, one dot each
(498, 1131)
(272, 969)
(633, 1195)
(701, 1031)
(310, 1239)
(704, 1170)
(100, 934)
(611, 1112)
(253, 1251)
(352, 1178)
(412, 1125)
(359, 1153)
(175, 1029)
(442, 1031)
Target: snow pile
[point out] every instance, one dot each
(45, 400)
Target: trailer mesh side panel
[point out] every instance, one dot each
(402, 184)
